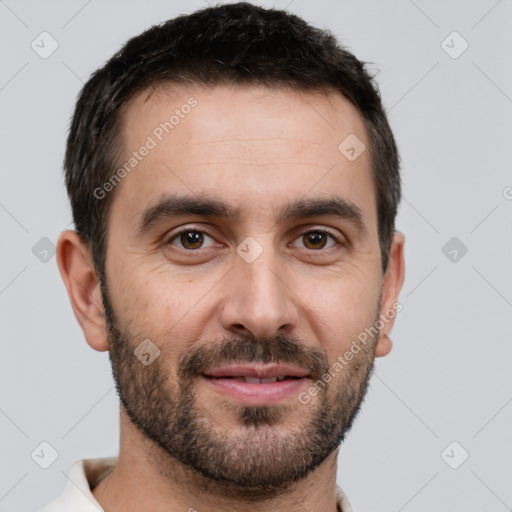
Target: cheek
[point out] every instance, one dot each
(165, 311)
(341, 312)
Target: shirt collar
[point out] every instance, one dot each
(77, 495)
(85, 474)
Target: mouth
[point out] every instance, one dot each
(256, 380)
(254, 384)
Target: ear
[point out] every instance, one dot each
(79, 275)
(392, 284)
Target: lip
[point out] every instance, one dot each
(223, 380)
(262, 371)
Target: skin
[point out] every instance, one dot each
(256, 149)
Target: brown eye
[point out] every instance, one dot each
(316, 240)
(189, 239)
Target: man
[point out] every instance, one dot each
(234, 185)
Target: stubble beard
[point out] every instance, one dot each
(260, 458)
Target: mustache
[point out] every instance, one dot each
(277, 349)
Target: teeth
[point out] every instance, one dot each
(252, 380)
(257, 380)
(281, 378)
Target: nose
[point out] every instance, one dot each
(258, 300)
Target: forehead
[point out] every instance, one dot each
(252, 146)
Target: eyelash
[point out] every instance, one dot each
(316, 230)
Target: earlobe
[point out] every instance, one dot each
(81, 281)
(384, 345)
(392, 284)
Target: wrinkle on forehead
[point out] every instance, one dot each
(274, 143)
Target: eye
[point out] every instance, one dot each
(193, 239)
(190, 239)
(317, 239)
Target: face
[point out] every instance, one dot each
(244, 246)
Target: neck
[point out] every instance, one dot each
(146, 477)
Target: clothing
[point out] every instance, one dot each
(85, 474)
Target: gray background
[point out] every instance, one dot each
(448, 377)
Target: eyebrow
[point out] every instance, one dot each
(174, 206)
